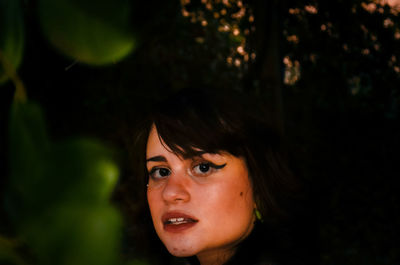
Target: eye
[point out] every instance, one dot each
(202, 168)
(206, 168)
(159, 173)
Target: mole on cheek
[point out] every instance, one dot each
(241, 193)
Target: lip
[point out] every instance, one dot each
(189, 221)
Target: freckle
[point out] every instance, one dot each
(241, 193)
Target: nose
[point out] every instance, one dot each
(176, 189)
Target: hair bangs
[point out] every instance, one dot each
(198, 127)
(193, 140)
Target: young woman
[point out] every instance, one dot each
(215, 178)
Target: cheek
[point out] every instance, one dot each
(229, 200)
(229, 212)
(154, 203)
(149, 199)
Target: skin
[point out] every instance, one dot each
(221, 199)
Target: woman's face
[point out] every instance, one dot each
(200, 206)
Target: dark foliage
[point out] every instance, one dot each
(341, 117)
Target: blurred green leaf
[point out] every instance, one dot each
(28, 148)
(11, 37)
(81, 170)
(75, 234)
(58, 194)
(92, 32)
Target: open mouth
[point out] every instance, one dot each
(179, 220)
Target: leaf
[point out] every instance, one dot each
(28, 151)
(58, 194)
(11, 37)
(77, 170)
(92, 32)
(81, 170)
(78, 234)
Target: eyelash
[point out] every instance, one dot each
(213, 167)
(154, 170)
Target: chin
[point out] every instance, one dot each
(181, 253)
(180, 250)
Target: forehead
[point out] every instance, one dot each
(155, 144)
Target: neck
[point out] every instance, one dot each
(216, 258)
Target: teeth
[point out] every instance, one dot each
(177, 221)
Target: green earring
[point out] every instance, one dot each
(258, 215)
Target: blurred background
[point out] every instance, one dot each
(329, 71)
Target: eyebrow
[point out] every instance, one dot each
(156, 159)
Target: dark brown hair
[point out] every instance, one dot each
(214, 121)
